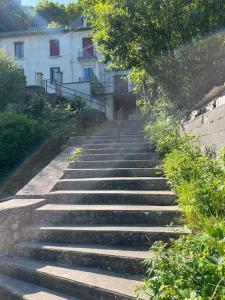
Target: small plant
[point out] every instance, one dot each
(75, 155)
(192, 268)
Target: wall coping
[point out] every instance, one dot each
(45, 180)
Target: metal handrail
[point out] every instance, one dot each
(74, 94)
(119, 121)
(67, 88)
(85, 53)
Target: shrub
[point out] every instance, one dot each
(19, 134)
(199, 181)
(161, 131)
(51, 116)
(12, 82)
(193, 268)
(36, 106)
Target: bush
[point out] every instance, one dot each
(199, 181)
(12, 83)
(162, 128)
(19, 134)
(51, 116)
(198, 178)
(193, 268)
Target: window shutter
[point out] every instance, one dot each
(54, 48)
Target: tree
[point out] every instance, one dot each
(156, 36)
(12, 82)
(55, 12)
(51, 11)
(72, 11)
(12, 16)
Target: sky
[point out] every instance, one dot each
(34, 2)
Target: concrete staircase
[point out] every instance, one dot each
(88, 242)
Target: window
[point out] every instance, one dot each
(88, 47)
(54, 48)
(53, 74)
(19, 50)
(87, 73)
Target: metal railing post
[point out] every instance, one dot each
(119, 121)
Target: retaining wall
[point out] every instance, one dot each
(209, 127)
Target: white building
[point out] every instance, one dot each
(48, 51)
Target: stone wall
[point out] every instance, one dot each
(209, 127)
(15, 216)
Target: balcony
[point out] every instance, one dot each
(87, 54)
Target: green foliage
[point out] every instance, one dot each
(73, 10)
(26, 120)
(75, 155)
(58, 14)
(138, 31)
(12, 83)
(19, 134)
(192, 268)
(199, 180)
(79, 104)
(12, 16)
(169, 43)
(55, 114)
(162, 128)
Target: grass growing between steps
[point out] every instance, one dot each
(193, 267)
(75, 155)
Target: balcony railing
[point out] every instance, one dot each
(89, 53)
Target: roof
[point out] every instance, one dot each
(31, 32)
(40, 30)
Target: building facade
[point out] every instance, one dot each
(49, 50)
(70, 52)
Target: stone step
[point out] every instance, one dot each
(113, 197)
(14, 289)
(116, 133)
(56, 214)
(121, 260)
(113, 134)
(116, 145)
(118, 183)
(125, 126)
(115, 164)
(119, 156)
(118, 236)
(119, 136)
(85, 283)
(116, 150)
(114, 140)
(122, 129)
(100, 173)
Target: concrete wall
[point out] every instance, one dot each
(210, 127)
